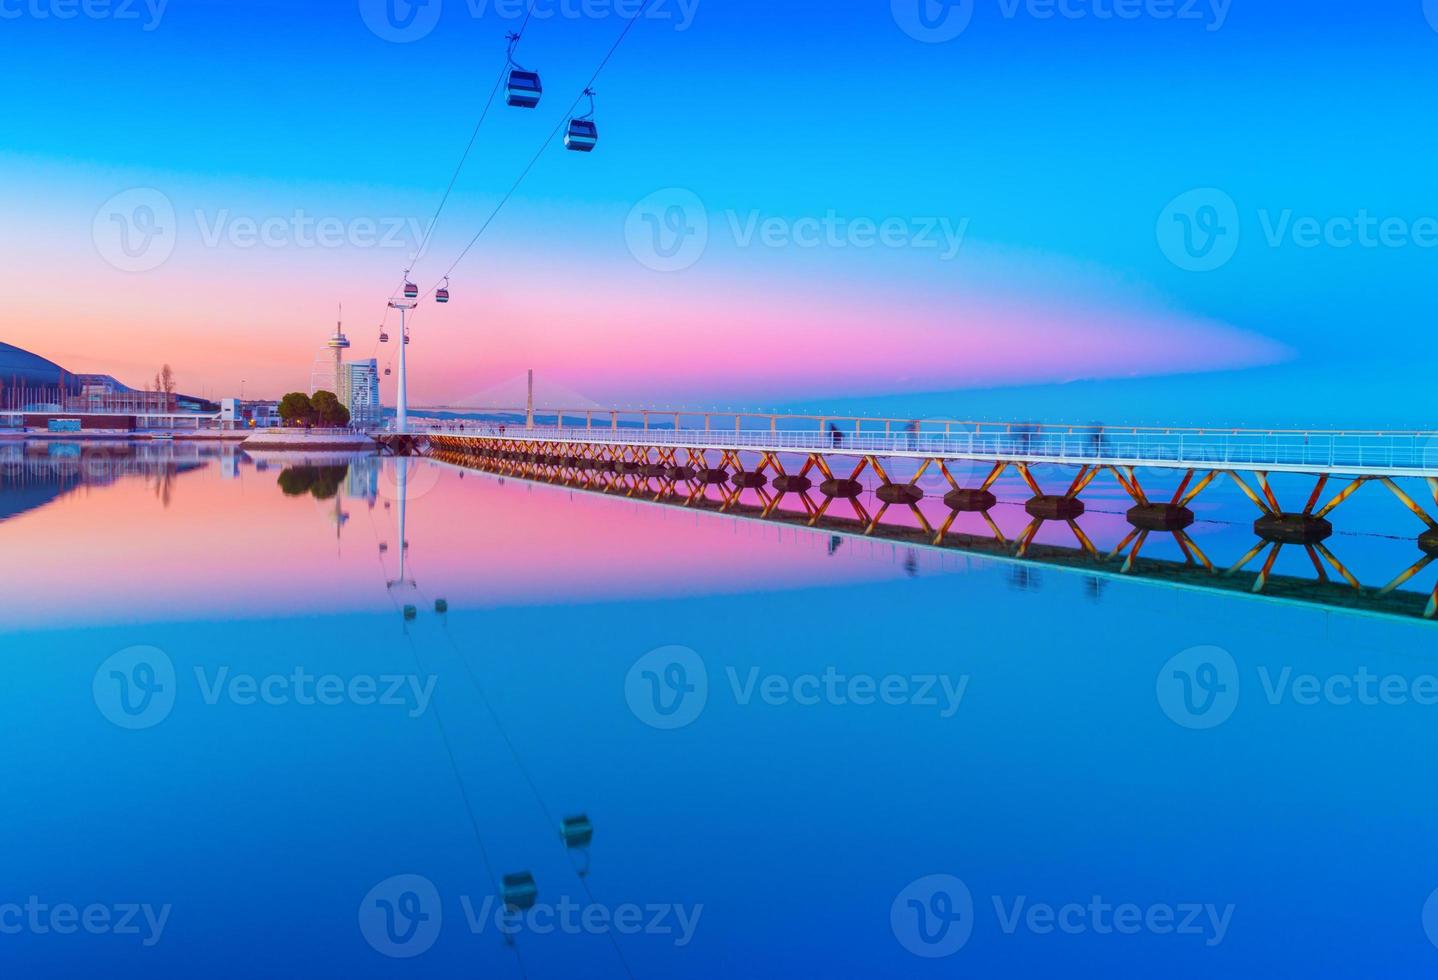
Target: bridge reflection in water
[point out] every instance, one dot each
(849, 485)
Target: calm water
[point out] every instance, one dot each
(803, 755)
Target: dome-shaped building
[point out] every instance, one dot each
(27, 378)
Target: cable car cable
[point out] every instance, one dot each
(524, 769)
(449, 748)
(564, 120)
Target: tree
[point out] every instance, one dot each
(320, 482)
(328, 410)
(297, 409)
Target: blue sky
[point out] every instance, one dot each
(1058, 138)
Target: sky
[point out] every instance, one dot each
(1135, 210)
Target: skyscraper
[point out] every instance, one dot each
(359, 391)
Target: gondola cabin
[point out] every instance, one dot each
(524, 88)
(582, 136)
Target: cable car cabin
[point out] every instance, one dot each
(577, 831)
(411, 291)
(519, 891)
(384, 338)
(441, 295)
(582, 135)
(387, 372)
(524, 89)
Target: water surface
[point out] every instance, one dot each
(781, 736)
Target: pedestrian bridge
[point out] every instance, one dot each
(930, 474)
(1353, 453)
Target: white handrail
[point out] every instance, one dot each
(1412, 454)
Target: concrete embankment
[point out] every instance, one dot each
(300, 440)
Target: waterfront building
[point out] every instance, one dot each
(359, 391)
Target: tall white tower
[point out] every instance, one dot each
(330, 362)
(339, 343)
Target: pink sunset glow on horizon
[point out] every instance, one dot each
(663, 338)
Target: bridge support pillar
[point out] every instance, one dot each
(1160, 517)
(1293, 528)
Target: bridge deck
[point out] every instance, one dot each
(1349, 454)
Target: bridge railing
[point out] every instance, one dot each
(1248, 450)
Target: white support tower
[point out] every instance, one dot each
(401, 410)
